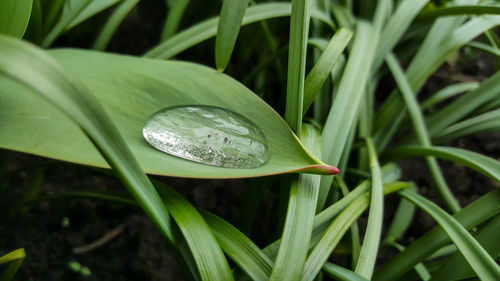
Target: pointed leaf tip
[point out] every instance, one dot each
(320, 169)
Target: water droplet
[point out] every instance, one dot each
(208, 135)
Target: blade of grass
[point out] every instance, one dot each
(174, 16)
(482, 263)
(421, 131)
(210, 260)
(38, 71)
(52, 15)
(371, 241)
(15, 258)
(64, 22)
(457, 10)
(355, 240)
(208, 28)
(448, 92)
(341, 273)
(34, 31)
(300, 217)
(485, 48)
(487, 91)
(112, 24)
(324, 66)
(456, 266)
(231, 16)
(475, 213)
(299, 30)
(343, 111)
(242, 250)
(14, 17)
(483, 164)
(486, 122)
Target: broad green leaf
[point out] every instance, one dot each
(482, 263)
(299, 32)
(369, 250)
(483, 164)
(475, 213)
(211, 262)
(207, 29)
(39, 72)
(342, 114)
(174, 16)
(240, 248)
(300, 216)
(324, 66)
(113, 22)
(130, 90)
(341, 273)
(15, 258)
(228, 27)
(14, 17)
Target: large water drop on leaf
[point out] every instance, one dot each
(208, 135)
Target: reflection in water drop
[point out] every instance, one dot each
(208, 135)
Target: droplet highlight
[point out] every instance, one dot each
(208, 135)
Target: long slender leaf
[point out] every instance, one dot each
(324, 66)
(112, 24)
(14, 17)
(241, 249)
(140, 88)
(458, 10)
(15, 258)
(341, 273)
(369, 250)
(210, 260)
(231, 16)
(483, 164)
(38, 71)
(174, 16)
(485, 48)
(300, 216)
(448, 92)
(342, 114)
(94, 7)
(207, 29)
(486, 122)
(482, 263)
(475, 213)
(421, 131)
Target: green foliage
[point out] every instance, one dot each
(91, 107)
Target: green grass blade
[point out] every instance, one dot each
(342, 114)
(14, 17)
(485, 48)
(324, 66)
(112, 24)
(174, 16)
(211, 262)
(299, 31)
(34, 31)
(231, 15)
(487, 91)
(15, 258)
(456, 266)
(482, 263)
(95, 7)
(458, 10)
(371, 241)
(483, 164)
(240, 248)
(341, 273)
(475, 213)
(395, 28)
(139, 88)
(486, 122)
(448, 92)
(207, 29)
(421, 131)
(38, 71)
(66, 19)
(52, 14)
(299, 218)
